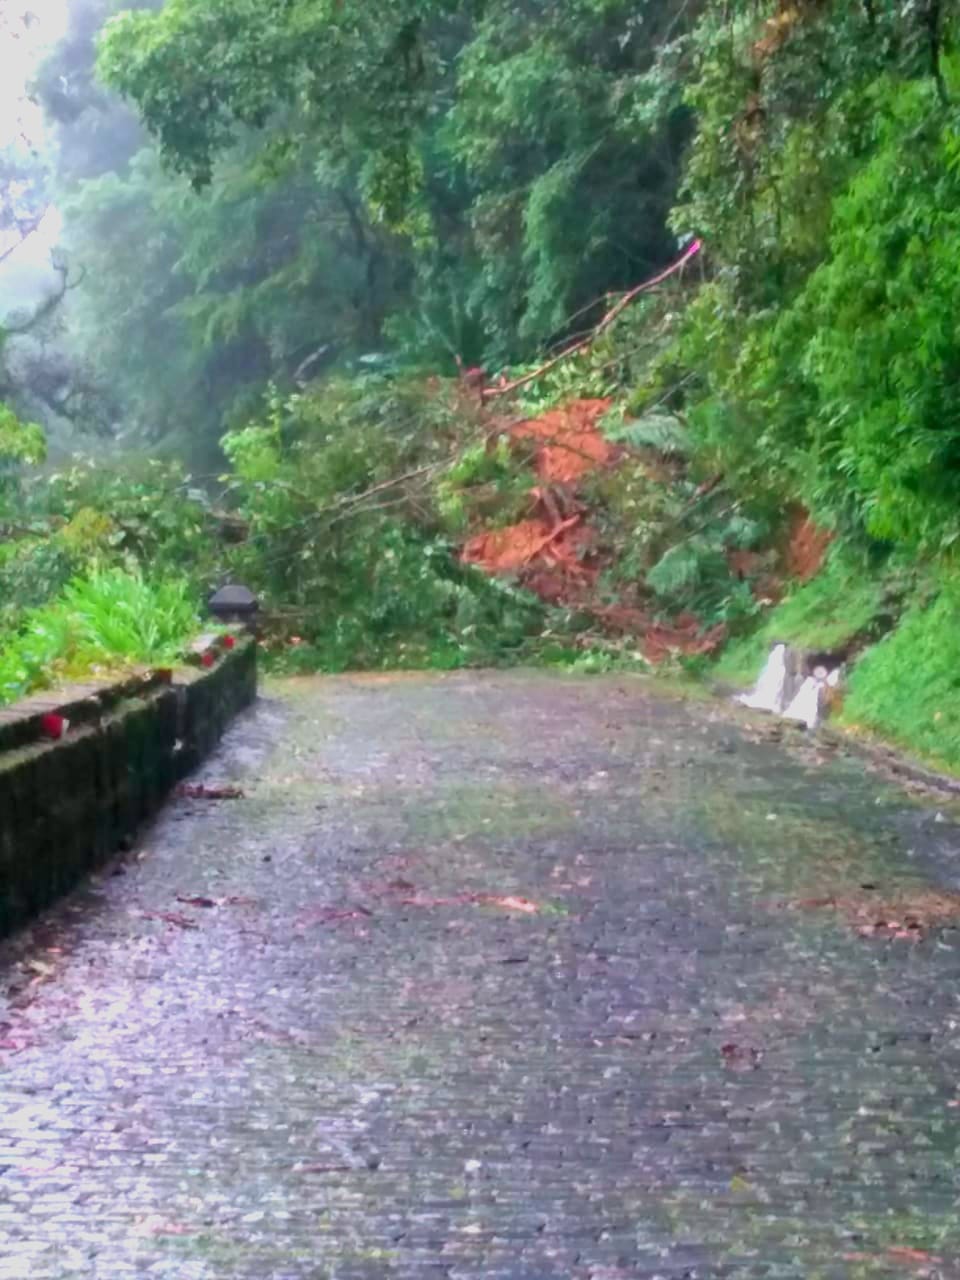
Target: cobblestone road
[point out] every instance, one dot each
(495, 977)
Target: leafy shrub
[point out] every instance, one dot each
(348, 493)
(32, 571)
(483, 481)
(19, 441)
(137, 511)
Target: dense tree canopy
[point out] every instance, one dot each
(526, 155)
(267, 203)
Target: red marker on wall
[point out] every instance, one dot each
(54, 726)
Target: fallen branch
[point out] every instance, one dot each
(488, 393)
(554, 534)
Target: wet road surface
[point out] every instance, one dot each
(496, 976)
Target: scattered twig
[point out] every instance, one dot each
(560, 529)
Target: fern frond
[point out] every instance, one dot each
(660, 431)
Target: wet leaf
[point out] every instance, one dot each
(739, 1057)
(512, 904)
(204, 791)
(902, 1254)
(331, 915)
(171, 917)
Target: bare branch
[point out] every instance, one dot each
(605, 323)
(26, 230)
(46, 308)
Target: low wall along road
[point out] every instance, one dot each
(68, 804)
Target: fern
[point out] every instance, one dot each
(677, 570)
(660, 431)
(741, 533)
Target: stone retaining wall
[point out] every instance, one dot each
(67, 805)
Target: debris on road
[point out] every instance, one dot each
(209, 791)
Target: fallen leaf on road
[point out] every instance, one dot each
(741, 1057)
(331, 915)
(425, 900)
(171, 917)
(461, 899)
(510, 904)
(321, 1168)
(895, 1253)
(196, 902)
(908, 915)
(157, 1227)
(911, 1255)
(203, 791)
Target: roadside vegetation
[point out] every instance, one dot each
(347, 308)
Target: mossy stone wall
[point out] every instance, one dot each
(66, 806)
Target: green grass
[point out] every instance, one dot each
(907, 686)
(841, 604)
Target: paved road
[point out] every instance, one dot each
(496, 977)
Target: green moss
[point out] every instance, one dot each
(842, 603)
(907, 686)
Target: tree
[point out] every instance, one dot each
(193, 302)
(528, 153)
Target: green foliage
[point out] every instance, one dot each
(485, 482)
(346, 530)
(392, 186)
(523, 160)
(32, 571)
(695, 575)
(907, 686)
(143, 512)
(683, 568)
(851, 599)
(19, 441)
(89, 517)
(821, 354)
(874, 332)
(107, 619)
(661, 432)
(192, 302)
(571, 165)
(118, 614)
